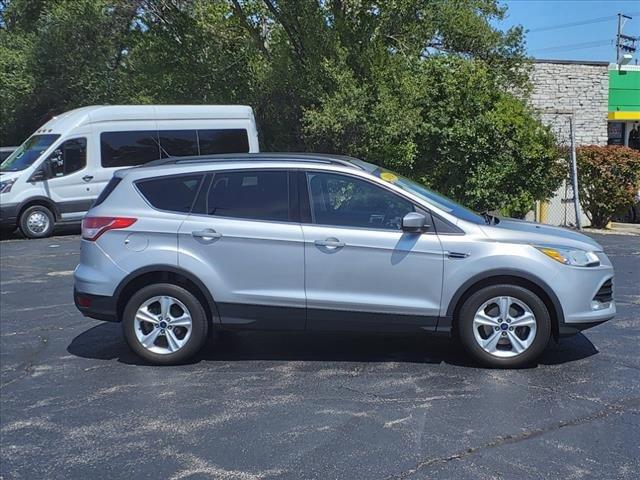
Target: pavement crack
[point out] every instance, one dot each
(360, 392)
(614, 409)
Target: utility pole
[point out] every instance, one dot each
(618, 39)
(625, 44)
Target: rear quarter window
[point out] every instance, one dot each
(173, 194)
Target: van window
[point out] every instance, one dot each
(69, 157)
(223, 141)
(251, 194)
(178, 143)
(126, 149)
(175, 194)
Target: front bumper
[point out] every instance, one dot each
(8, 215)
(99, 307)
(579, 291)
(568, 330)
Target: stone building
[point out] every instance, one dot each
(562, 86)
(604, 100)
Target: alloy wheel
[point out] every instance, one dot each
(504, 326)
(163, 324)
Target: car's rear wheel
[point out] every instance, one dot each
(37, 221)
(165, 324)
(505, 326)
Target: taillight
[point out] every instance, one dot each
(93, 227)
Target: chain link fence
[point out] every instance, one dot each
(561, 208)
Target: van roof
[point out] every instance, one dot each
(105, 113)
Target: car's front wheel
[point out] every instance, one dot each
(165, 324)
(505, 326)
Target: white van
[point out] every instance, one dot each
(58, 172)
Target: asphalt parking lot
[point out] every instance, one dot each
(75, 403)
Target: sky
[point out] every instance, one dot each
(593, 40)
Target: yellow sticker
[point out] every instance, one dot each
(389, 177)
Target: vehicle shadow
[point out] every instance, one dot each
(105, 342)
(59, 230)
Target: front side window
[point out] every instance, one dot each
(341, 200)
(69, 157)
(423, 192)
(128, 149)
(27, 153)
(256, 195)
(223, 141)
(174, 194)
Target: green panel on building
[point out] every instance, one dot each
(624, 94)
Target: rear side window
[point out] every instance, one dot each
(113, 183)
(174, 194)
(223, 141)
(256, 195)
(178, 143)
(126, 149)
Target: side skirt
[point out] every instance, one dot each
(263, 317)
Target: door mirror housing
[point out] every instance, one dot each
(414, 222)
(42, 173)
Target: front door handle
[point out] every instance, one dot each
(87, 178)
(332, 243)
(207, 235)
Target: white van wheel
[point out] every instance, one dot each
(37, 222)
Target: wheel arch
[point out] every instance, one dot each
(512, 277)
(164, 274)
(42, 201)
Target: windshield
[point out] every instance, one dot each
(440, 201)
(27, 153)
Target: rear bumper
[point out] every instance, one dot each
(8, 215)
(99, 307)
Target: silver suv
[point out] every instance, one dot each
(181, 248)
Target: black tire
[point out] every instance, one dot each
(200, 324)
(29, 229)
(477, 299)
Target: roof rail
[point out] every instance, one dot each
(255, 157)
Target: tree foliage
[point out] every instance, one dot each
(426, 87)
(608, 181)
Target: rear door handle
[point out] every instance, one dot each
(208, 234)
(330, 243)
(87, 178)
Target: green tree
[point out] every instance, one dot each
(59, 55)
(608, 180)
(427, 87)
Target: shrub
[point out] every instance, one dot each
(609, 180)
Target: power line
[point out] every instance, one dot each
(575, 46)
(577, 24)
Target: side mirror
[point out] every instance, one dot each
(41, 174)
(414, 222)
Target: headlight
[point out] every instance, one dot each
(570, 256)
(5, 187)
